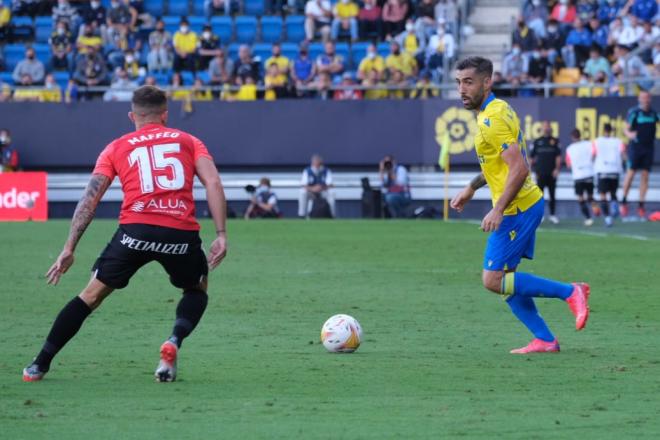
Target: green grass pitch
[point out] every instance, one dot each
(434, 362)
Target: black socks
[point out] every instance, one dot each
(605, 206)
(65, 327)
(188, 313)
(585, 209)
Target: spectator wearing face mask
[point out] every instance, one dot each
(159, 57)
(29, 71)
(209, 46)
(554, 40)
(185, 46)
(513, 65)
(412, 42)
(345, 19)
(63, 11)
(263, 201)
(426, 21)
(95, 14)
(8, 154)
(91, 70)
(60, 47)
(132, 66)
(441, 47)
(120, 18)
(372, 62)
(535, 14)
(539, 66)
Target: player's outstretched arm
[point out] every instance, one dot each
(215, 196)
(82, 217)
(460, 199)
(518, 172)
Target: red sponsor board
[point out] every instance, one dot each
(23, 196)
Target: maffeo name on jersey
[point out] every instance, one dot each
(153, 136)
(152, 246)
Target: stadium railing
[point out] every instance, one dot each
(546, 88)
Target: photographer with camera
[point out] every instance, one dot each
(316, 188)
(263, 202)
(395, 185)
(8, 154)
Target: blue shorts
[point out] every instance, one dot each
(514, 239)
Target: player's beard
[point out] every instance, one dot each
(473, 103)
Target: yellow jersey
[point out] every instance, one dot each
(186, 43)
(367, 64)
(499, 129)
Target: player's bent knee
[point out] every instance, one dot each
(492, 280)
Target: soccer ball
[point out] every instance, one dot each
(341, 334)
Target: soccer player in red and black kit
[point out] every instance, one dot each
(156, 166)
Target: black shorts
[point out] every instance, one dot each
(134, 245)
(585, 185)
(640, 158)
(546, 181)
(608, 183)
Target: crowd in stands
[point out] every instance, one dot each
(225, 49)
(585, 42)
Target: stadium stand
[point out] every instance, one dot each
(626, 33)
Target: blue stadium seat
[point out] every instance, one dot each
(6, 77)
(197, 23)
(232, 51)
(254, 7)
(187, 78)
(290, 50)
(295, 28)
(315, 49)
(246, 29)
(177, 7)
(344, 50)
(198, 7)
(171, 23)
(162, 79)
(204, 76)
(154, 7)
(271, 29)
(263, 51)
(222, 27)
(383, 49)
(13, 54)
(42, 52)
(43, 29)
(358, 51)
(23, 28)
(61, 78)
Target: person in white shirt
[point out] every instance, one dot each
(318, 15)
(609, 153)
(579, 159)
(316, 183)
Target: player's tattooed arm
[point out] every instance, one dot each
(86, 208)
(477, 182)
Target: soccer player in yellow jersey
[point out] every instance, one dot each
(517, 209)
